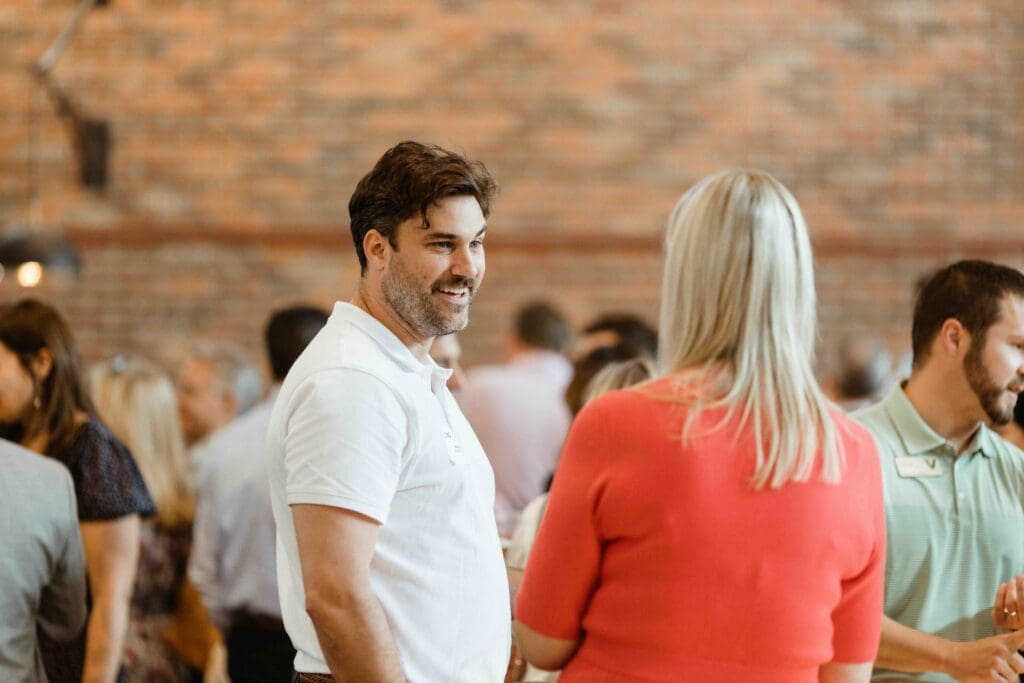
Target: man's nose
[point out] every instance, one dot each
(466, 264)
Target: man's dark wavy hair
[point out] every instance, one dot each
(406, 181)
(968, 291)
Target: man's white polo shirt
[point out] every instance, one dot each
(361, 424)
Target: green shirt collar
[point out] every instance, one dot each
(919, 438)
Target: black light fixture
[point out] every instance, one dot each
(22, 249)
(90, 136)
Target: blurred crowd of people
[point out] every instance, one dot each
(171, 556)
(658, 497)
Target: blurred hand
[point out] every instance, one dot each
(516, 665)
(989, 660)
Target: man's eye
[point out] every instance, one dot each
(441, 245)
(476, 244)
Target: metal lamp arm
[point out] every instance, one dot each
(45, 64)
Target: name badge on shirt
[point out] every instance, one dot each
(455, 451)
(917, 467)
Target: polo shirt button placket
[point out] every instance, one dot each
(959, 496)
(961, 463)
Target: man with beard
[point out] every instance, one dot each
(389, 562)
(953, 488)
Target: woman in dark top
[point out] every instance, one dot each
(44, 406)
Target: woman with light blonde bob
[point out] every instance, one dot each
(723, 522)
(137, 401)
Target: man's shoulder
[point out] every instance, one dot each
(875, 418)
(241, 441)
(35, 482)
(241, 428)
(341, 391)
(1006, 450)
(515, 378)
(878, 422)
(341, 346)
(24, 466)
(487, 374)
(483, 384)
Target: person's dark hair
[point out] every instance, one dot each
(542, 326)
(28, 326)
(631, 330)
(406, 181)
(288, 333)
(584, 369)
(968, 291)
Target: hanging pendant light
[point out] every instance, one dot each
(27, 254)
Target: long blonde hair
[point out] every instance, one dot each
(619, 375)
(738, 308)
(136, 400)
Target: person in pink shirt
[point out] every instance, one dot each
(722, 522)
(517, 409)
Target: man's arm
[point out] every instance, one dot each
(335, 549)
(992, 659)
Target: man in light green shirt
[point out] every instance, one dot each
(954, 491)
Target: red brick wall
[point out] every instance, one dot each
(241, 128)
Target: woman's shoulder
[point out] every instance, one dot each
(107, 479)
(640, 397)
(92, 441)
(629, 415)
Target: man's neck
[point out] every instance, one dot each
(944, 407)
(386, 316)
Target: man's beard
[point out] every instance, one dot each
(419, 308)
(987, 391)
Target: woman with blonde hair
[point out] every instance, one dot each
(137, 402)
(723, 522)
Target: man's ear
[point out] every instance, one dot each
(376, 248)
(953, 338)
(42, 364)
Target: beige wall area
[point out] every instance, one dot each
(241, 128)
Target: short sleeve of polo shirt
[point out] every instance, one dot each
(346, 436)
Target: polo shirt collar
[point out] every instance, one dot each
(982, 442)
(391, 345)
(918, 437)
